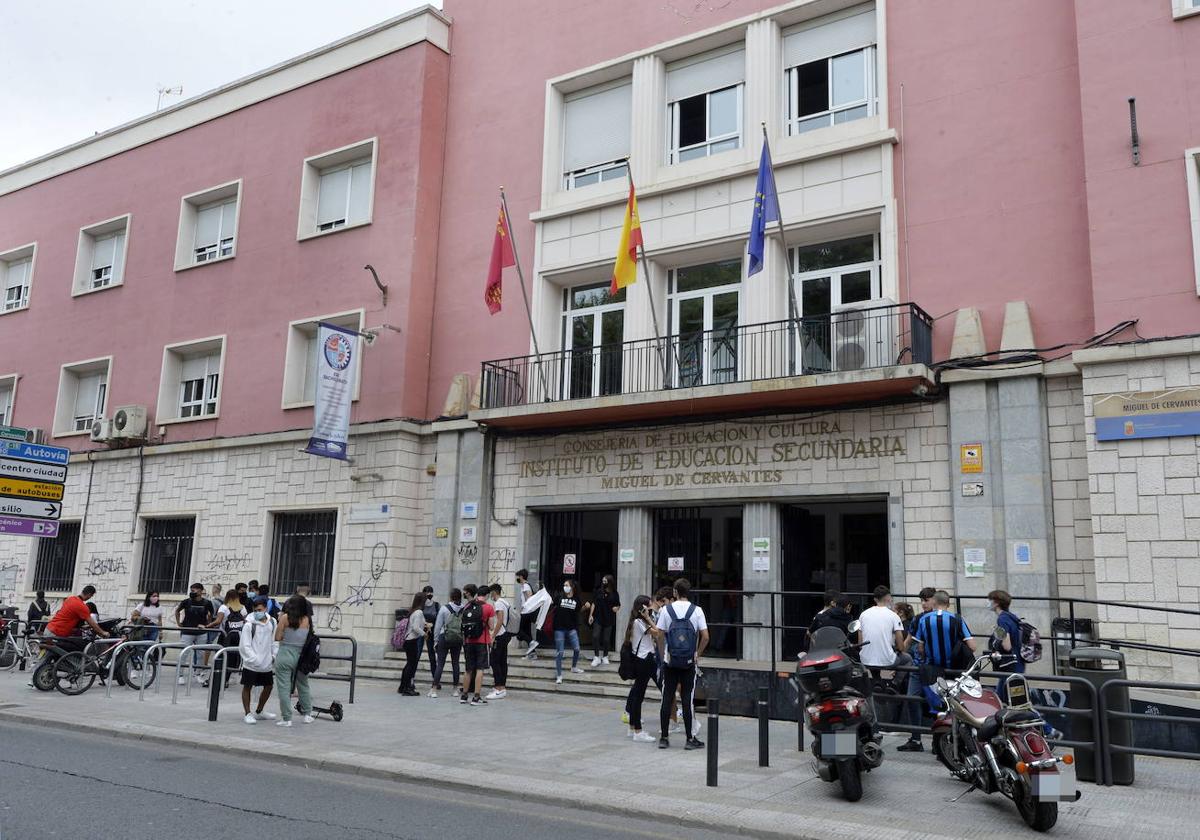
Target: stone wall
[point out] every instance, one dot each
(1071, 489)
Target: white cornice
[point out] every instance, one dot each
(423, 24)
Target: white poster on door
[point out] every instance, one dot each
(568, 564)
(674, 564)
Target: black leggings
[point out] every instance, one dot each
(500, 661)
(673, 679)
(643, 672)
(412, 649)
(602, 638)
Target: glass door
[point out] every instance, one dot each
(705, 306)
(826, 277)
(593, 332)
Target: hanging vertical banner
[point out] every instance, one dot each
(336, 349)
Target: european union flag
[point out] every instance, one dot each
(766, 210)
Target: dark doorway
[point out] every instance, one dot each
(709, 541)
(842, 546)
(589, 535)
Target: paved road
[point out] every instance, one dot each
(119, 789)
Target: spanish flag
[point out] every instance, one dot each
(625, 270)
(502, 257)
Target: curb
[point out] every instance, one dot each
(657, 808)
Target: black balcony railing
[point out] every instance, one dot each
(850, 340)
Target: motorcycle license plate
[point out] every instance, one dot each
(839, 745)
(1053, 787)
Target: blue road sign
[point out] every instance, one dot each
(35, 452)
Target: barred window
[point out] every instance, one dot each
(167, 555)
(55, 567)
(302, 551)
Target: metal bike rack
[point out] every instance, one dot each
(112, 665)
(155, 647)
(178, 665)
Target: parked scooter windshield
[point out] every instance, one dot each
(826, 640)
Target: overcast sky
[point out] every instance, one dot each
(73, 68)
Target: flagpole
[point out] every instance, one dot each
(793, 307)
(653, 309)
(524, 294)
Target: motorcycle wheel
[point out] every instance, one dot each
(851, 779)
(43, 674)
(71, 675)
(943, 748)
(1040, 816)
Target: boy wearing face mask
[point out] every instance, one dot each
(566, 628)
(257, 648)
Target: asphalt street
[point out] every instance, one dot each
(56, 784)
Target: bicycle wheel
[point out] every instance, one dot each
(135, 669)
(9, 654)
(71, 674)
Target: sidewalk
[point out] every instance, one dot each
(570, 751)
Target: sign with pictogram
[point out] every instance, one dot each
(970, 456)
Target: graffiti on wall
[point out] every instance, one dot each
(9, 587)
(100, 566)
(500, 561)
(364, 591)
(466, 553)
(226, 563)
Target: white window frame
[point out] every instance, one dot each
(8, 385)
(1192, 164)
(301, 341)
(68, 384)
(596, 314)
(791, 116)
(1181, 9)
(325, 163)
(171, 384)
(189, 210)
(707, 294)
(673, 149)
(8, 259)
(89, 235)
(612, 171)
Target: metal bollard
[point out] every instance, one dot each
(215, 683)
(800, 722)
(764, 723)
(714, 721)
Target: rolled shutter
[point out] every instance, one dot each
(851, 30)
(360, 192)
(703, 74)
(331, 200)
(208, 226)
(597, 127)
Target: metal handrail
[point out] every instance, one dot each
(1106, 714)
(178, 665)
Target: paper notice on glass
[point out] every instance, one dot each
(674, 564)
(568, 564)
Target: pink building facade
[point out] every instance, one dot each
(906, 393)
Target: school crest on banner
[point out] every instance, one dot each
(337, 349)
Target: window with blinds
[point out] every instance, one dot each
(54, 569)
(107, 255)
(830, 70)
(15, 274)
(704, 103)
(7, 386)
(596, 131)
(167, 555)
(302, 549)
(199, 385)
(344, 195)
(91, 389)
(215, 225)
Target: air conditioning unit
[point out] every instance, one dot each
(101, 430)
(129, 422)
(35, 435)
(865, 335)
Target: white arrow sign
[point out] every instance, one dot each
(30, 507)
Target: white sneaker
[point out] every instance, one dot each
(577, 671)
(497, 694)
(432, 693)
(558, 680)
(695, 729)
(457, 690)
(250, 719)
(604, 660)
(644, 738)
(307, 719)
(283, 723)
(266, 715)
(595, 661)
(676, 727)
(629, 733)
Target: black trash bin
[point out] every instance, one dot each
(1099, 666)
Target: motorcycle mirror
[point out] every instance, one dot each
(854, 626)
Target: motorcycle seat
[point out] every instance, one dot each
(1005, 717)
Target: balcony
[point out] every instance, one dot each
(862, 355)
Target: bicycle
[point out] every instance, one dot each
(17, 649)
(76, 672)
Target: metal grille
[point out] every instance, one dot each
(55, 567)
(167, 555)
(302, 551)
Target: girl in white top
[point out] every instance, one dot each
(149, 612)
(641, 634)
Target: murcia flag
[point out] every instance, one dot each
(625, 270)
(502, 257)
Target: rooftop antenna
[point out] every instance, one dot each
(167, 91)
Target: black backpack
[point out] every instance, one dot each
(310, 654)
(472, 620)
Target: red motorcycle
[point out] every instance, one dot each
(998, 747)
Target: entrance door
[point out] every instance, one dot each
(586, 538)
(704, 316)
(593, 329)
(707, 544)
(828, 276)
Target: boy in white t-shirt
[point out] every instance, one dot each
(882, 628)
(679, 671)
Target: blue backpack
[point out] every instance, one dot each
(681, 639)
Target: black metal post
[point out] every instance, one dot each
(714, 726)
(216, 678)
(764, 723)
(800, 720)
(1071, 604)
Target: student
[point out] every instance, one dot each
(67, 624)
(685, 639)
(194, 615)
(231, 618)
(150, 613)
(431, 610)
(291, 632)
(272, 605)
(566, 628)
(882, 629)
(642, 634)
(603, 619)
(257, 647)
(414, 644)
(911, 713)
(39, 612)
(447, 633)
(537, 607)
(499, 643)
(244, 596)
(836, 613)
(478, 624)
(304, 590)
(524, 593)
(940, 634)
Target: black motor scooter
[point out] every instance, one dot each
(841, 717)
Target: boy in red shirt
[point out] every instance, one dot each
(70, 617)
(478, 618)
